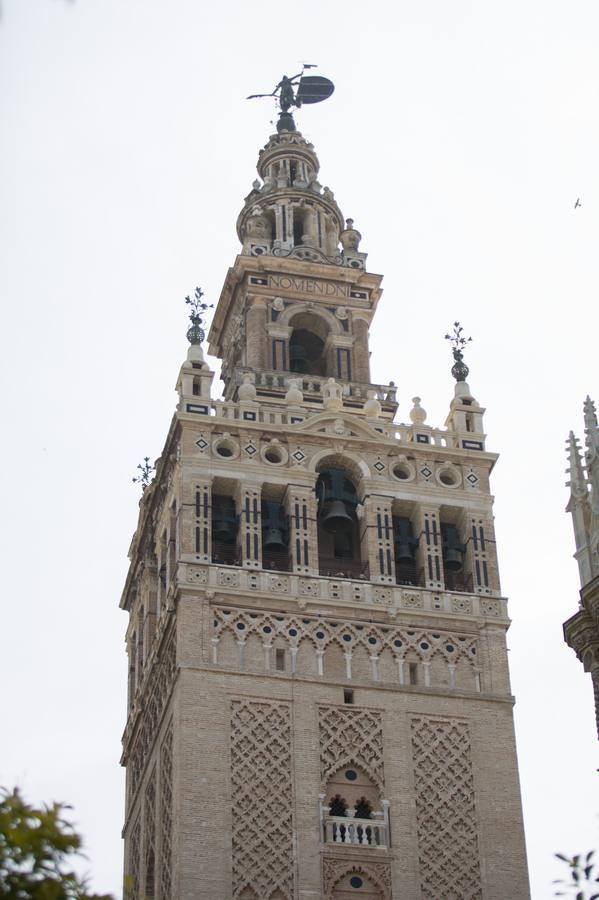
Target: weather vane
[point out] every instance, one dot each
(146, 471)
(459, 370)
(296, 91)
(196, 334)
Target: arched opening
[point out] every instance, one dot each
(275, 536)
(224, 530)
(406, 568)
(307, 345)
(306, 353)
(338, 526)
(353, 811)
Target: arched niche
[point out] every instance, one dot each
(338, 525)
(352, 785)
(309, 348)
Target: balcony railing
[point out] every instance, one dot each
(225, 554)
(276, 561)
(409, 576)
(458, 581)
(348, 830)
(338, 567)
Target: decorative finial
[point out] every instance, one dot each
(196, 334)
(310, 89)
(459, 370)
(146, 471)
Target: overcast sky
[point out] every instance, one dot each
(459, 137)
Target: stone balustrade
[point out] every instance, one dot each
(308, 588)
(349, 830)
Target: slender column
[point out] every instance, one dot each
(379, 521)
(195, 518)
(250, 530)
(430, 549)
(348, 656)
(300, 502)
(256, 337)
(361, 364)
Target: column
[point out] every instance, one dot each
(300, 503)
(430, 547)
(250, 525)
(256, 337)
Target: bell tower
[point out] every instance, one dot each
(319, 698)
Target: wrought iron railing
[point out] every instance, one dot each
(226, 554)
(339, 567)
(276, 560)
(409, 576)
(458, 581)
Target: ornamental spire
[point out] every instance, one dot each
(196, 333)
(459, 370)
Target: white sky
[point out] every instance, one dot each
(459, 136)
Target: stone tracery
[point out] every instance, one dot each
(445, 809)
(261, 795)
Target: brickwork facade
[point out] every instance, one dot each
(319, 697)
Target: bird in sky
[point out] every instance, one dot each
(578, 203)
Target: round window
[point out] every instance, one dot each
(224, 451)
(351, 775)
(356, 881)
(448, 477)
(273, 456)
(402, 472)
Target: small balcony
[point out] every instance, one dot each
(349, 830)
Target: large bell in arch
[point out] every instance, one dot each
(274, 536)
(273, 539)
(405, 543)
(336, 517)
(224, 519)
(337, 501)
(453, 549)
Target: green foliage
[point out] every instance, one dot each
(582, 877)
(35, 846)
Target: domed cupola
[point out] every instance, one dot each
(288, 213)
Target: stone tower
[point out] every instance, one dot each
(581, 631)
(319, 699)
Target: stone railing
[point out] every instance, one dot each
(311, 385)
(349, 830)
(303, 588)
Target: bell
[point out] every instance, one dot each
(453, 549)
(404, 553)
(223, 529)
(404, 541)
(337, 518)
(273, 539)
(298, 360)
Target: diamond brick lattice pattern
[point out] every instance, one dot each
(351, 736)
(262, 798)
(445, 810)
(166, 814)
